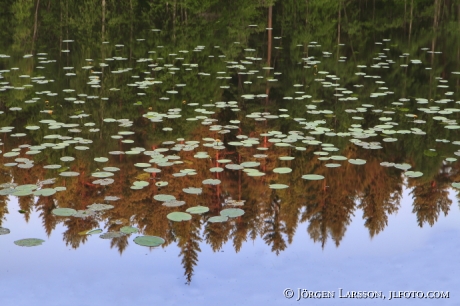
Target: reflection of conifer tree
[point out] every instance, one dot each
(121, 243)
(216, 234)
(74, 226)
(274, 227)
(379, 199)
(46, 205)
(188, 235)
(3, 208)
(329, 213)
(26, 204)
(430, 198)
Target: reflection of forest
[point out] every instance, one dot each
(327, 205)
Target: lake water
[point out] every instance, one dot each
(256, 160)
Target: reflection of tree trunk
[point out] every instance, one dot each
(174, 20)
(338, 28)
(131, 35)
(404, 20)
(103, 19)
(411, 14)
(269, 51)
(36, 20)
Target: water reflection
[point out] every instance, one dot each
(360, 119)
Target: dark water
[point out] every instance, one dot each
(336, 149)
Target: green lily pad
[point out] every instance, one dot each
(141, 183)
(102, 174)
(129, 230)
(250, 164)
(99, 207)
(179, 216)
(282, 170)
(46, 192)
(413, 173)
(232, 212)
(192, 190)
(101, 159)
(149, 241)
(94, 232)
(161, 184)
(64, 212)
(111, 235)
(198, 210)
(403, 166)
(173, 203)
(456, 185)
(312, 177)
(21, 193)
(29, 242)
(278, 186)
(211, 182)
(216, 169)
(357, 161)
(4, 231)
(218, 219)
(69, 173)
(164, 197)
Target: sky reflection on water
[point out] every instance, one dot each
(403, 257)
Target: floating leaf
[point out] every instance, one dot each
(101, 159)
(192, 190)
(99, 207)
(173, 203)
(94, 232)
(218, 219)
(161, 183)
(129, 230)
(211, 182)
(413, 173)
(111, 235)
(64, 212)
(46, 192)
(69, 173)
(4, 231)
(312, 177)
(29, 242)
(197, 210)
(164, 197)
(357, 161)
(232, 212)
(278, 186)
(149, 241)
(179, 216)
(282, 170)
